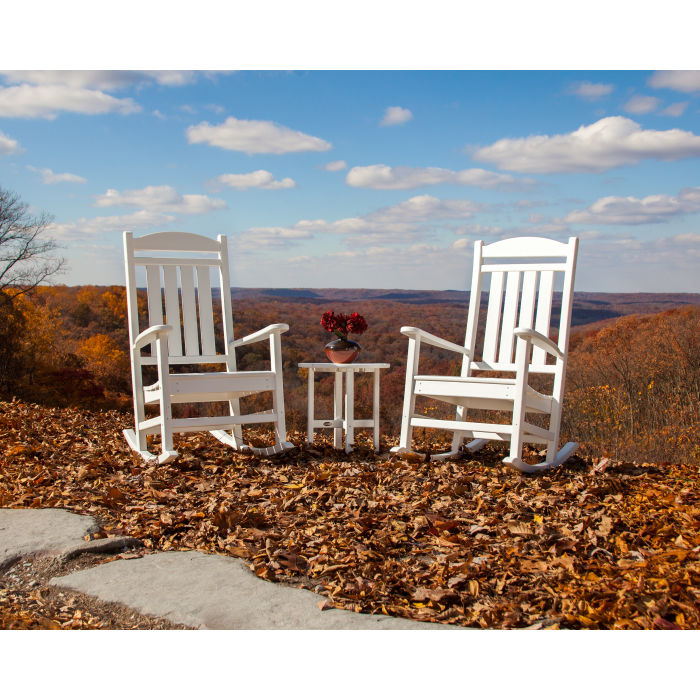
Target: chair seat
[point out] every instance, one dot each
(492, 392)
(212, 386)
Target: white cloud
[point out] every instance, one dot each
(336, 165)
(9, 146)
(260, 179)
(669, 263)
(681, 80)
(158, 199)
(259, 238)
(83, 228)
(462, 244)
(361, 230)
(47, 100)
(623, 257)
(687, 238)
(384, 177)
(393, 116)
(548, 228)
(529, 203)
(590, 91)
(425, 266)
(608, 143)
(478, 230)
(675, 110)
(426, 208)
(252, 136)
(631, 210)
(48, 177)
(100, 79)
(400, 223)
(641, 104)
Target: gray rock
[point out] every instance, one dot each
(26, 531)
(211, 591)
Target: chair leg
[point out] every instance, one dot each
(167, 454)
(516, 437)
(406, 435)
(278, 395)
(278, 408)
(237, 432)
(554, 422)
(409, 397)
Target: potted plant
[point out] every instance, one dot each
(341, 350)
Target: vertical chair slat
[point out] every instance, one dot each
(527, 300)
(493, 317)
(155, 299)
(155, 295)
(206, 316)
(189, 310)
(544, 312)
(172, 310)
(510, 310)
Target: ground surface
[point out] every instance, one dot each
(470, 542)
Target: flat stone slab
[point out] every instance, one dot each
(26, 531)
(212, 591)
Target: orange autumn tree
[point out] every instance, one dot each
(113, 308)
(106, 360)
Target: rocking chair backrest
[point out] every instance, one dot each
(179, 290)
(523, 275)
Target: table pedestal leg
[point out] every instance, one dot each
(349, 411)
(310, 415)
(338, 410)
(375, 410)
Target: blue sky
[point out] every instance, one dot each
(364, 178)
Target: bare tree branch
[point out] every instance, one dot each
(26, 260)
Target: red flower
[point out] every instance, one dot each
(341, 324)
(356, 324)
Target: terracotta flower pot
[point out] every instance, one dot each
(342, 351)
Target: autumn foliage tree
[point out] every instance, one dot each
(26, 260)
(634, 387)
(106, 360)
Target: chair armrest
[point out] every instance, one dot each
(151, 334)
(431, 339)
(260, 335)
(542, 341)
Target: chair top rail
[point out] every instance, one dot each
(524, 267)
(526, 247)
(142, 260)
(176, 241)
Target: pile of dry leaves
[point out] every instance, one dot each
(469, 542)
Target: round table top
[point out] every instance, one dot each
(354, 366)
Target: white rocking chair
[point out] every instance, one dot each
(194, 300)
(526, 268)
